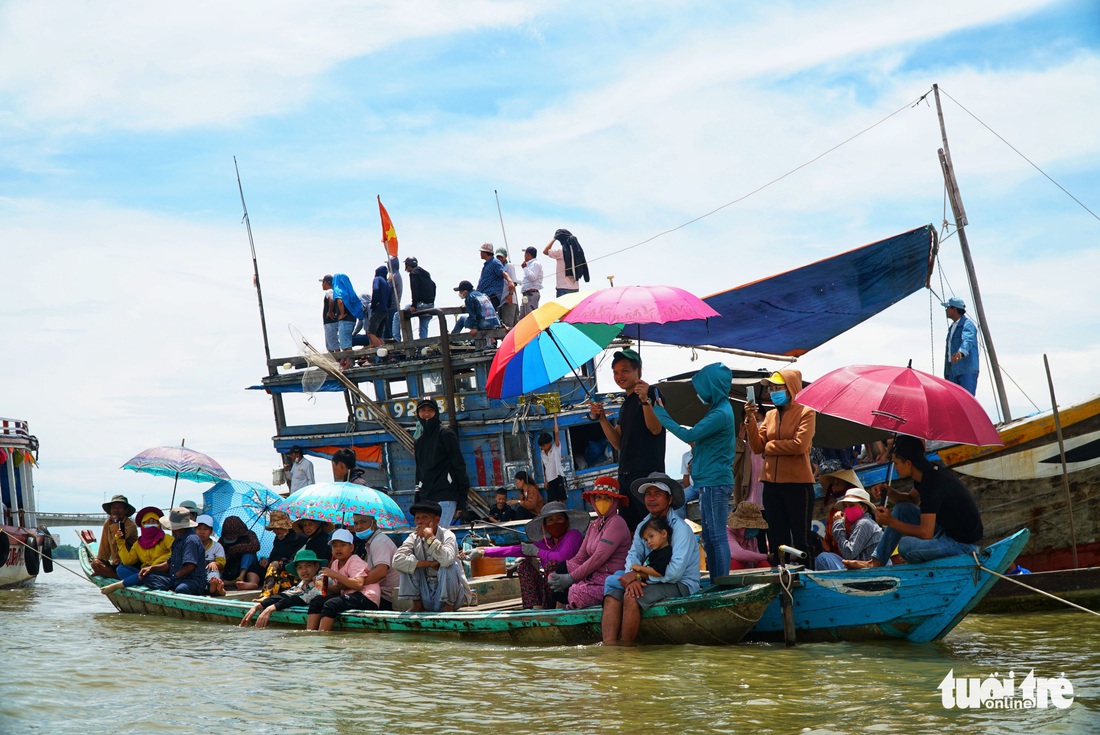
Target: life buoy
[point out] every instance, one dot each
(30, 556)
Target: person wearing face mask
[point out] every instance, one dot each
(377, 550)
(553, 538)
(743, 527)
(602, 552)
(854, 530)
(785, 438)
(440, 467)
(152, 547)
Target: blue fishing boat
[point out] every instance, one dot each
(914, 602)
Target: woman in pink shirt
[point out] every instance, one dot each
(346, 585)
(742, 529)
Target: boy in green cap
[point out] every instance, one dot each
(305, 565)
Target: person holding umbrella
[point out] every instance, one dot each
(785, 438)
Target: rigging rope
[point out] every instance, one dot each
(1033, 589)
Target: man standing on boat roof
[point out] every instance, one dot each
(423, 293)
(328, 317)
(639, 436)
(531, 289)
(491, 282)
(960, 364)
(299, 470)
(572, 266)
(509, 300)
(345, 469)
(440, 468)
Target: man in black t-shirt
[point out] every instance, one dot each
(638, 436)
(937, 518)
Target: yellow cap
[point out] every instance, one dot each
(776, 378)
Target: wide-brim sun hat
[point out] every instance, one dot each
(606, 486)
(303, 554)
(860, 496)
(146, 511)
(177, 519)
(277, 519)
(130, 510)
(661, 481)
(848, 476)
(326, 526)
(578, 519)
(747, 515)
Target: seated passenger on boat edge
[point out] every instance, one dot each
(377, 550)
(626, 594)
(241, 547)
(287, 541)
(440, 467)
(316, 535)
(346, 587)
(746, 543)
(118, 510)
(431, 576)
(192, 508)
(215, 555)
(480, 313)
(152, 547)
(305, 568)
(553, 538)
(835, 483)
(852, 533)
(603, 549)
(185, 570)
(345, 469)
(501, 512)
(937, 518)
(530, 500)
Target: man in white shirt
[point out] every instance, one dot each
(299, 470)
(531, 289)
(565, 283)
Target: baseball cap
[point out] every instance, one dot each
(954, 301)
(487, 247)
(342, 534)
(325, 278)
(465, 286)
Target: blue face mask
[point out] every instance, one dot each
(364, 535)
(780, 398)
(751, 532)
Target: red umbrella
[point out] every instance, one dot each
(902, 400)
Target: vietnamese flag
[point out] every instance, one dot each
(389, 235)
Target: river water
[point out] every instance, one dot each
(75, 665)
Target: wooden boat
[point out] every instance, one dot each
(721, 617)
(19, 566)
(915, 602)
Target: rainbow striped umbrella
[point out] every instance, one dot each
(541, 349)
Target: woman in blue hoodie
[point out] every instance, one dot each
(715, 439)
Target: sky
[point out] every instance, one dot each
(127, 313)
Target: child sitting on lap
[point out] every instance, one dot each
(657, 535)
(346, 585)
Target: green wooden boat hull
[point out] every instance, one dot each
(721, 617)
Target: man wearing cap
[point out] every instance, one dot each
(118, 510)
(440, 468)
(431, 577)
(509, 309)
(192, 508)
(480, 311)
(299, 470)
(961, 361)
(627, 596)
(531, 288)
(639, 436)
(345, 468)
(853, 534)
(937, 518)
(328, 317)
(491, 282)
(185, 571)
(423, 293)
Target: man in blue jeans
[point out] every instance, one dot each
(961, 361)
(937, 518)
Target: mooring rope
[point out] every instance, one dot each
(55, 561)
(1033, 589)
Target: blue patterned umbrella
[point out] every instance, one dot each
(249, 501)
(336, 502)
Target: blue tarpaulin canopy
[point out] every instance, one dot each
(794, 312)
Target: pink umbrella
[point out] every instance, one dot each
(639, 305)
(902, 400)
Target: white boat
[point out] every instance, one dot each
(18, 456)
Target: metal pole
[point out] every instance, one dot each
(174, 482)
(501, 215)
(1062, 455)
(448, 374)
(971, 274)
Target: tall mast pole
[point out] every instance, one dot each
(277, 400)
(971, 274)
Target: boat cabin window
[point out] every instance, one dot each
(465, 381)
(589, 446)
(397, 388)
(432, 382)
(517, 449)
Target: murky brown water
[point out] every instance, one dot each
(84, 668)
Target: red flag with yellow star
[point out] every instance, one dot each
(389, 235)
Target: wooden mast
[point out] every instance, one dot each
(971, 274)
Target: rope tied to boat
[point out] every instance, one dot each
(1033, 589)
